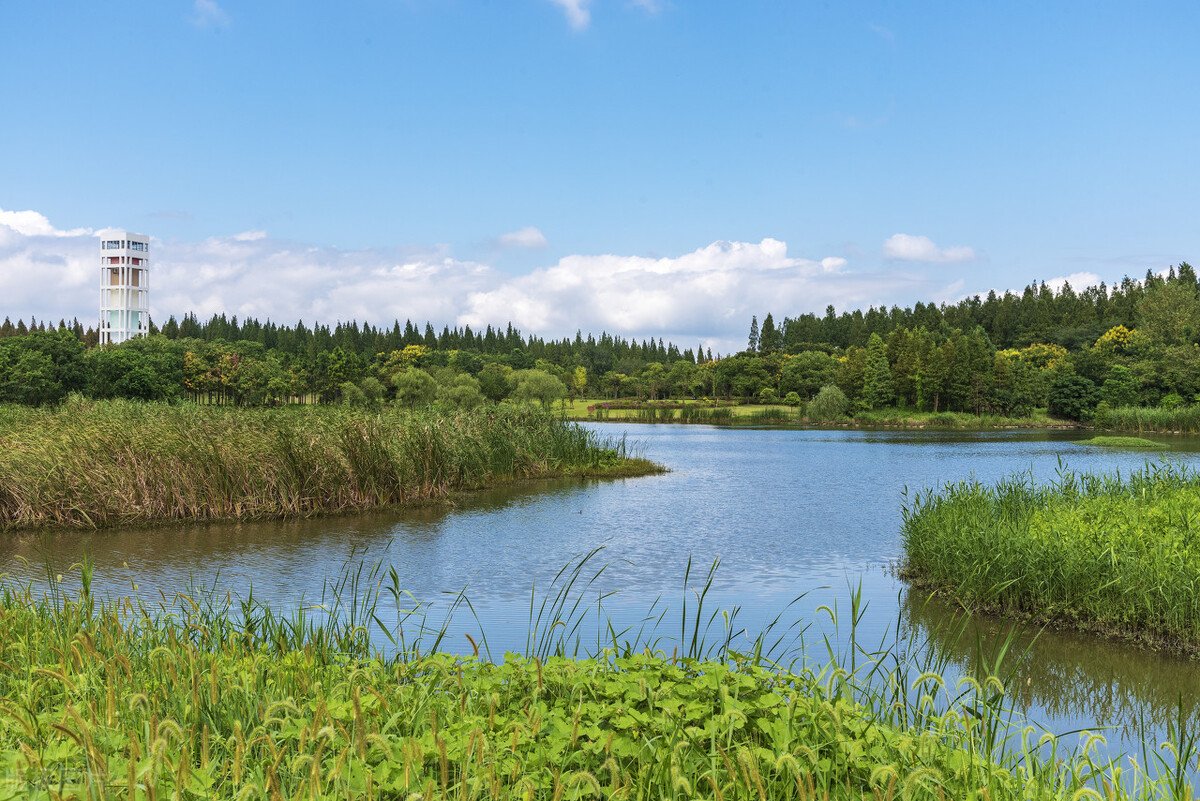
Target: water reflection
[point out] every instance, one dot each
(1062, 675)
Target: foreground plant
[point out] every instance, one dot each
(201, 699)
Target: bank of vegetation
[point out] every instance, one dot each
(1116, 555)
(200, 698)
(1074, 355)
(816, 413)
(110, 463)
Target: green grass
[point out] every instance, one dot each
(1123, 442)
(201, 698)
(1104, 553)
(116, 463)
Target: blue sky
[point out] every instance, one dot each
(484, 161)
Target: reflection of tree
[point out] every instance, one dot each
(1066, 675)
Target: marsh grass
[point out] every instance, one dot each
(1184, 419)
(1099, 552)
(201, 696)
(1123, 442)
(120, 463)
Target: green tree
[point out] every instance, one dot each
(770, 339)
(415, 387)
(806, 372)
(539, 386)
(877, 375)
(830, 404)
(1170, 314)
(495, 382)
(752, 342)
(1072, 397)
(1121, 388)
(463, 391)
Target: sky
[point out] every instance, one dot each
(650, 168)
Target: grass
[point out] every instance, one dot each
(1104, 553)
(117, 463)
(1182, 420)
(1123, 442)
(204, 698)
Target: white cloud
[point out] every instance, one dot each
(905, 247)
(528, 237)
(31, 223)
(1077, 281)
(708, 294)
(207, 14)
(576, 11)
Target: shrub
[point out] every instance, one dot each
(830, 404)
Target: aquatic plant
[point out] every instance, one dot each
(1102, 552)
(1182, 419)
(1123, 442)
(122, 462)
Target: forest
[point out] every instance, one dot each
(1132, 344)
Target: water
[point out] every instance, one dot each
(791, 514)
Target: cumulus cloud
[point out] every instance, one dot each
(709, 293)
(528, 237)
(1077, 281)
(576, 11)
(207, 14)
(905, 247)
(706, 295)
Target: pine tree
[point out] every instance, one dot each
(753, 343)
(878, 390)
(771, 338)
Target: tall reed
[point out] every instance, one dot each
(1102, 552)
(119, 463)
(1185, 419)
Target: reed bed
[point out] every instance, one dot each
(116, 463)
(1184, 420)
(204, 698)
(1105, 553)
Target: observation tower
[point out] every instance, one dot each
(124, 287)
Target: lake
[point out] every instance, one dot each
(792, 514)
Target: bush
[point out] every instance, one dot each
(830, 404)
(1172, 400)
(791, 399)
(768, 395)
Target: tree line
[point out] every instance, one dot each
(1136, 343)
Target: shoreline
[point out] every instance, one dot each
(1010, 614)
(630, 467)
(866, 426)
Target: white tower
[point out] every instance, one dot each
(124, 287)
